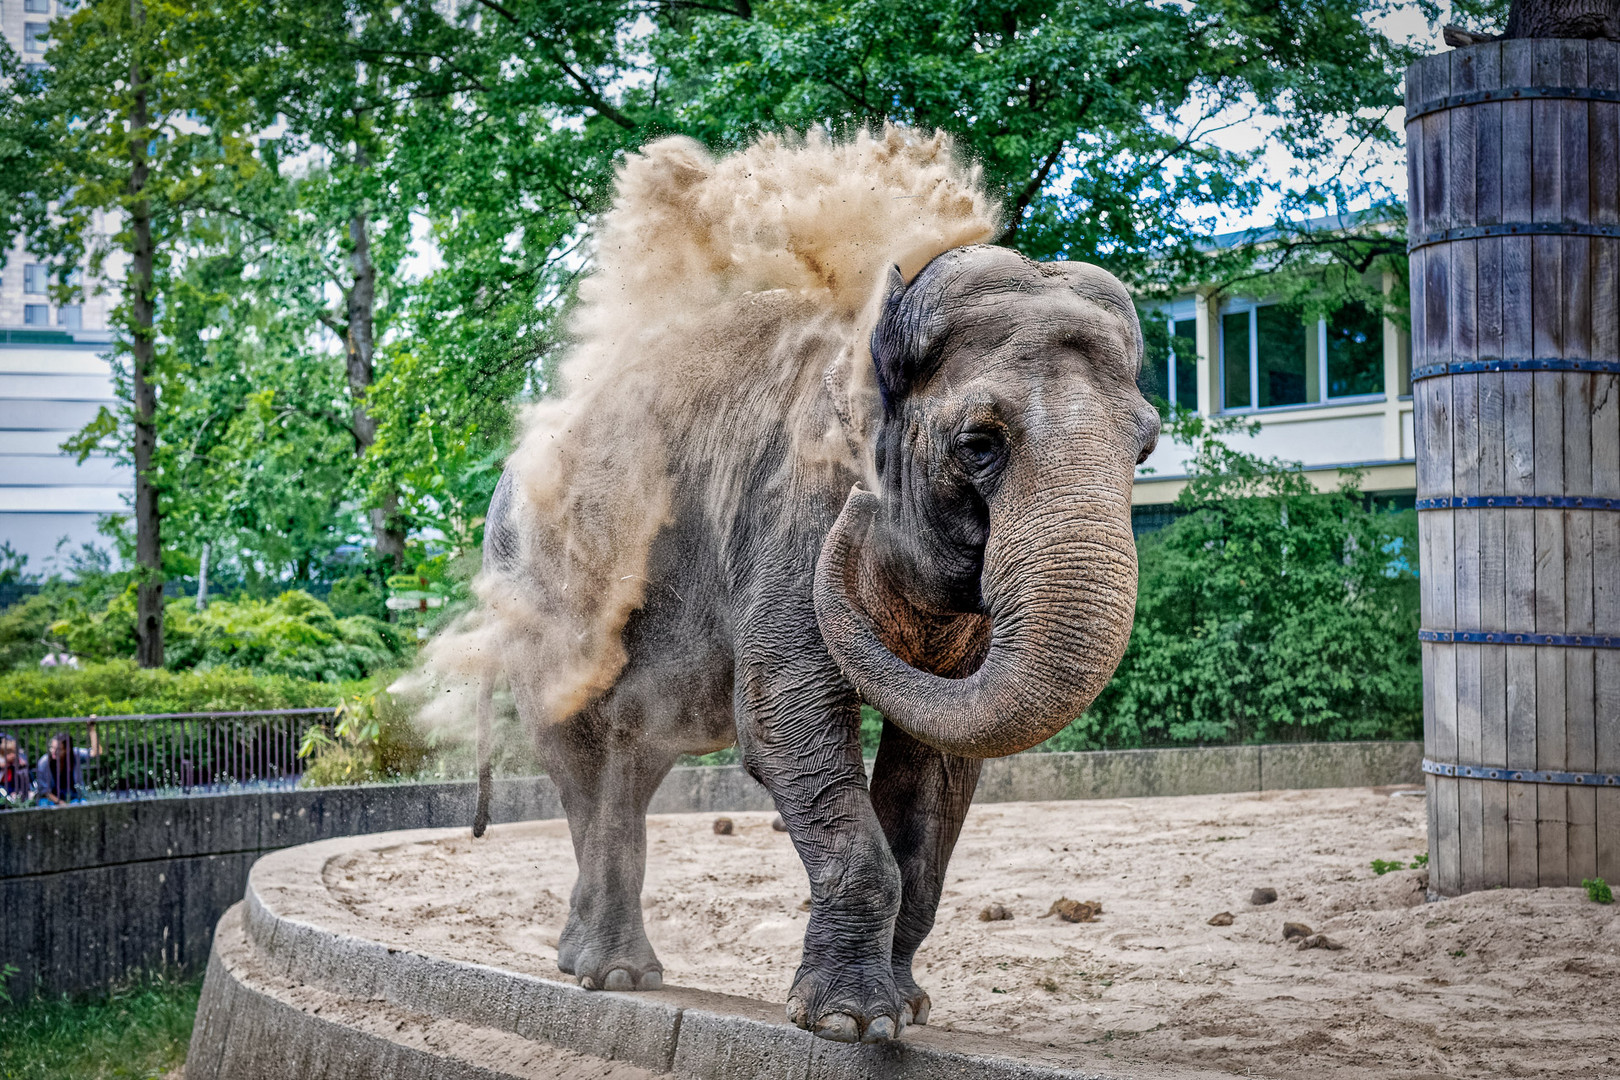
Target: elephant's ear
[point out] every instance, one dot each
(906, 340)
(886, 348)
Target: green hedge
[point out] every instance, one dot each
(294, 635)
(118, 686)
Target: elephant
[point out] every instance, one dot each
(922, 504)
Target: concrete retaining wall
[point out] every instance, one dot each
(90, 895)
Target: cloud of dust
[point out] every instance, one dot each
(591, 477)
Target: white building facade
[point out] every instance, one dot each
(1333, 394)
(54, 378)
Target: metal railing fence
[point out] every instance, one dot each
(146, 755)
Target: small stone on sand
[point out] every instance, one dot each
(1263, 896)
(777, 824)
(722, 826)
(1075, 910)
(994, 913)
(1320, 941)
(1292, 930)
(806, 905)
(1221, 918)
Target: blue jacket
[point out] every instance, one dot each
(45, 776)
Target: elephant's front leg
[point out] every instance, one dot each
(921, 796)
(799, 731)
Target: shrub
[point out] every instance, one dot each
(1269, 612)
(372, 739)
(1597, 890)
(118, 686)
(294, 635)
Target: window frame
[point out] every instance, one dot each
(1252, 307)
(29, 309)
(36, 37)
(36, 273)
(1177, 311)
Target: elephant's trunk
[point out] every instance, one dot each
(1059, 583)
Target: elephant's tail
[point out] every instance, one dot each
(486, 706)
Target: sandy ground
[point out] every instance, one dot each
(1501, 983)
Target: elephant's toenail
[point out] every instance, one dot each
(652, 980)
(922, 1012)
(839, 1027)
(619, 979)
(587, 982)
(906, 1016)
(879, 1030)
(797, 1014)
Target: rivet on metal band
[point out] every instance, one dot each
(1492, 364)
(1504, 637)
(1535, 502)
(1512, 93)
(1516, 228)
(1521, 776)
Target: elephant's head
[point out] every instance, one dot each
(1005, 454)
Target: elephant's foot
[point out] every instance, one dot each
(847, 1002)
(607, 960)
(915, 1009)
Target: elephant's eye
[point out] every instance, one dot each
(980, 451)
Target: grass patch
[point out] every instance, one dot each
(1597, 890)
(139, 1032)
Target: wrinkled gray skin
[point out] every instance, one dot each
(980, 598)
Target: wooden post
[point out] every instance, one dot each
(1513, 165)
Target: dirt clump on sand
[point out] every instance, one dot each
(1502, 983)
(1075, 910)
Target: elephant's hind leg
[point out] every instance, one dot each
(606, 782)
(921, 796)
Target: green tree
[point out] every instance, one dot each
(340, 80)
(1096, 122)
(114, 142)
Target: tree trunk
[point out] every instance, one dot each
(1588, 19)
(362, 302)
(148, 518)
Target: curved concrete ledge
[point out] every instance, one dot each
(296, 988)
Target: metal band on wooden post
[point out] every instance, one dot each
(1516, 363)
(1512, 93)
(1517, 228)
(1520, 776)
(1513, 167)
(1521, 502)
(1500, 637)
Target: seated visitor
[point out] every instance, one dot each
(59, 779)
(16, 785)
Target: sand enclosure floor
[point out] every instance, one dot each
(1501, 983)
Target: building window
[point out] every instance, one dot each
(35, 34)
(36, 315)
(1235, 359)
(1355, 352)
(37, 7)
(1183, 380)
(1272, 357)
(70, 317)
(1283, 372)
(35, 278)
